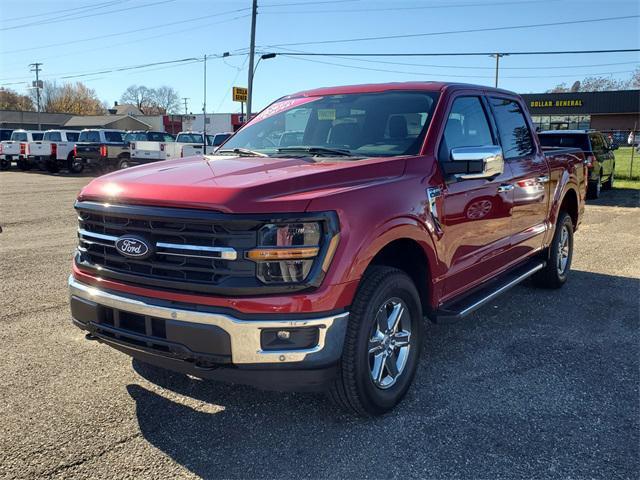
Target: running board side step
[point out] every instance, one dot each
(459, 308)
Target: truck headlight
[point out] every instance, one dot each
(286, 253)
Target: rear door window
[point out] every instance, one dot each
(37, 136)
(467, 126)
(512, 128)
(72, 136)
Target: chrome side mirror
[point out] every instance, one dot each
(482, 162)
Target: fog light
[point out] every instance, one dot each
(289, 339)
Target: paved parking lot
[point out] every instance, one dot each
(538, 384)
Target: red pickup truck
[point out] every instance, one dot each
(311, 265)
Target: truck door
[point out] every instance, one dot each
(530, 176)
(476, 217)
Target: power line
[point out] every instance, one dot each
(152, 27)
(70, 16)
(387, 9)
(355, 56)
(57, 12)
(306, 4)
(452, 54)
(453, 32)
(357, 67)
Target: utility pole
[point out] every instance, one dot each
(36, 68)
(497, 57)
(252, 52)
(204, 111)
(185, 100)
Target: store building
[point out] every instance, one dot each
(615, 111)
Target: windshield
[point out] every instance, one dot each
(364, 125)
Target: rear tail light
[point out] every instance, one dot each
(75, 151)
(54, 149)
(162, 147)
(589, 161)
(103, 150)
(23, 149)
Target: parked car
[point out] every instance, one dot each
(601, 161)
(311, 267)
(102, 149)
(17, 148)
(186, 144)
(55, 151)
(194, 144)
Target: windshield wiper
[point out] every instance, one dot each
(243, 151)
(317, 150)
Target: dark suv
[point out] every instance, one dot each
(598, 153)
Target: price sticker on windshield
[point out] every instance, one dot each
(326, 114)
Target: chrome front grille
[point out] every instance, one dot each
(192, 250)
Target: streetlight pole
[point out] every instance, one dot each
(204, 111)
(497, 57)
(36, 68)
(252, 52)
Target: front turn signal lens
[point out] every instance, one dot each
(274, 254)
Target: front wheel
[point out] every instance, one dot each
(382, 344)
(75, 165)
(123, 163)
(555, 273)
(594, 187)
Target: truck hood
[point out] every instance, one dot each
(240, 184)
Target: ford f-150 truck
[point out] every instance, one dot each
(167, 149)
(312, 265)
(102, 149)
(55, 151)
(17, 148)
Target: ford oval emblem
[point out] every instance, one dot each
(134, 247)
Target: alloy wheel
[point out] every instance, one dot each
(389, 343)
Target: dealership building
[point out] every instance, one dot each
(605, 111)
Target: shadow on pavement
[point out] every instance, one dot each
(538, 383)
(618, 197)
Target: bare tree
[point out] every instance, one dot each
(599, 84)
(166, 99)
(140, 96)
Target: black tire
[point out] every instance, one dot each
(52, 166)
(123, 163)
(552, 275)
(24, 165)
(5, 164)
(608, 185)
(594, 187)
(354, 388)
(74, 166)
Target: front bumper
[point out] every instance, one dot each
(205, 343)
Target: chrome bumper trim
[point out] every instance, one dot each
(244, 334)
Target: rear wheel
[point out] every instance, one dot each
(123, 163)
(382, 344)
(74, 165)
(593, 190)
(51, 165)
(555, 273)
(5, 164)
(24, 165)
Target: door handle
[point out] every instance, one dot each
(506, 187)
(543, 179)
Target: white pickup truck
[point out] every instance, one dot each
(186, 144)
(17, 148)
(55, 151)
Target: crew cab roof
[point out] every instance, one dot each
(385, 87)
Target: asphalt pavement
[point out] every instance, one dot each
(538, 384)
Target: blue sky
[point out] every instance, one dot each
(136, 32)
